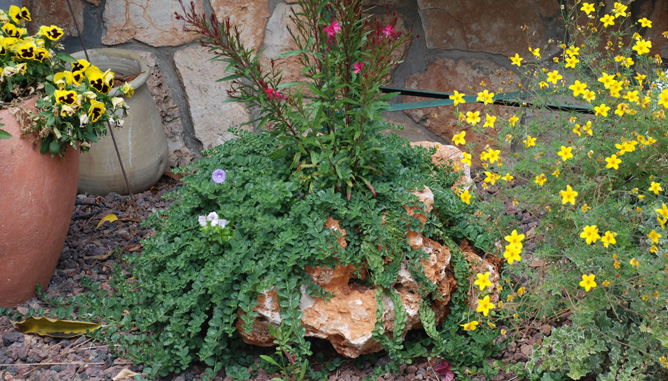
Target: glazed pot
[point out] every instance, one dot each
(141, 141)
(37, 195)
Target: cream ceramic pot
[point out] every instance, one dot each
(141, 140)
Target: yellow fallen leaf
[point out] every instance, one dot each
(109, 217)
(56, 328)
(125, 374)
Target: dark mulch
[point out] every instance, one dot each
(91, 252)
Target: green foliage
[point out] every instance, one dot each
(616, 166)
(179, 303)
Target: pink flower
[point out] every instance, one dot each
(333, 29)
(358, 67)
(388, 31)
(273, 94)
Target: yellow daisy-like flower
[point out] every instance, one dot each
(654, 236)
(535, 52)
(458, 98)
(489, 121)
(485, 305)
(517, 60)
(587, 8)
(467, 158)
(619, 9)
(508, 177)
(485, 97)
(553, 77)
(588, 282)
(642, 46)
(590, 234)
(634, 262)
(529, 142)
(608, 20)
(609, 238)
(512, 253)
(459, 138)
(655, 187)
(568, 195)
(578, 88)
(662, 211)
(585, 208)
(514, 238)
(556, 173)
(483, 281)
(571, 61)
(565, 153)
(466, 197)
(473, 118)
(645, 23)
(513, 120)
(470, 326)
(602, 110)
(607, 80)
(613, 162)
(540, 179)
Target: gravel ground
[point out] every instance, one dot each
(91, 251)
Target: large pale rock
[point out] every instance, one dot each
(152, 22)
(348, 319)
(250, 16)
(211, 117)
(277, 40)
(56, 12)
(485, 25)
(451, 156)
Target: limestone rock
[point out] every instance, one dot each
(211, 117)
(277, 40)
(250, 16)
(348, 319)
(152, 22)
(452, 156)
(485, 25)
(480, 266)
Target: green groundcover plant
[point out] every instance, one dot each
(594, 176)
(251, 214)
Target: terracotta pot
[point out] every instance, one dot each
(37, 195)
(141, 141)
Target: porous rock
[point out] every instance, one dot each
(348, 319)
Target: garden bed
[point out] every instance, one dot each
(91, 252)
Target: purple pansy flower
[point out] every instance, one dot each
(218, 176)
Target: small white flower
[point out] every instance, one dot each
(222, 223)
(213, 216)
(202, 220)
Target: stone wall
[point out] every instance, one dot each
(463, 45)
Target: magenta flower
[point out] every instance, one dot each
(218, 176)
(388, 31)
(332, 29)
(358, 67)
(273, 94)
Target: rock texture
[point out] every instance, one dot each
(211, 117)
(468, 76)
(149, 21)
(56, 12)
(250, 16)
(485, 25)
(348, 319)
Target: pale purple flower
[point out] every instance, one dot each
(202, 220)
(222, 223)
(218, 176)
